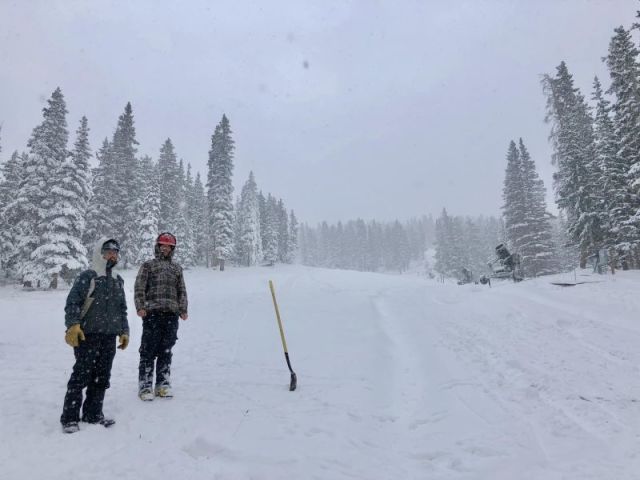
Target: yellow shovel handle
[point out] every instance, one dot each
(275, 304)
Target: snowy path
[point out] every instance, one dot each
(399, 377)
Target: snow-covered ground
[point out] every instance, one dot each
(399, 377)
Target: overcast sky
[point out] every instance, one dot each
(344, 109)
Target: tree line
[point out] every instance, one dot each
(596, 149)
(366, 246)
(597, 153)
(54, 205)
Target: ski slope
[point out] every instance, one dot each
(399, 377)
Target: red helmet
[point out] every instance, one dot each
(166, 239)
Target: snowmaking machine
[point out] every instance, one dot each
(504, 265)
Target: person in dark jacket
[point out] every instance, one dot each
(95, 313)
(160, 298)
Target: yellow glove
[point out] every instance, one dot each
(124, 341)
(74, 335)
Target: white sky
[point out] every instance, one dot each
(344, 109)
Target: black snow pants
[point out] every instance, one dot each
(92, 370)
(159, 335)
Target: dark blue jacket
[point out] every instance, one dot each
(108, 311)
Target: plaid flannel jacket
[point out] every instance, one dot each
(160, 287)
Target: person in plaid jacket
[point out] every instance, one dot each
(160, 298)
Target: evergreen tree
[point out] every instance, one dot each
(375, 246)
(169, 189)
(475, 248)
(574, 154)
(12, 173)
(616, 192)
(270, 236)
(183, 231)
(536, 245)
(262, 208)
(43, 233)
(124, 181)
(308, 245)
(220, 192)
(398, 248)
(444, 245)
(198, 210)
(67, 221)
(293, 238)
(249, 244)
(100, 216)
(146, 228)
(283, 232)
(624, 70)
(513, 195)
(566, 252)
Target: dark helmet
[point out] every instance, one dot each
(166, 238)
(110, 244)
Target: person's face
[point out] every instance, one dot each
(110, 255)
(165, 249)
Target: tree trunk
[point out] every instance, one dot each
(584, 256)
(221, 262)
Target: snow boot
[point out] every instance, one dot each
(145, 394)
(107, 422)
(163, 391)
(70, 427)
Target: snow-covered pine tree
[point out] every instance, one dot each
(189, 210)
(326, 257)
(574, 155)
(346, 255)
(615, 189)
(444, 245)
(25, 209)
(270, 235)
(624, 69)
(12, 174)
(185, 254)
(536, 246)
(249, 243)
(262, 207)
(473, 245)
(308, 245)
(220, 193)
(566, 252)
(65, 252)
(416, 233)
(302, 245)
(283, 231)
(145, 234)
(44, 236)
(461, 258)
(362, 244)
(375, 245)
(513, 196)
(124, 180)
(100, 217)
(292, 248)
(398, 243)
(198, 218)
(451, 240)
(169, 188)
(492, 234)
